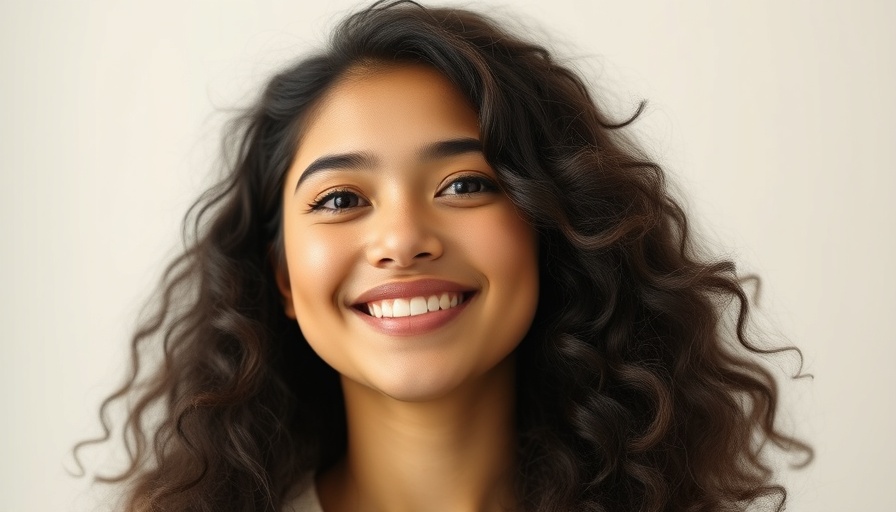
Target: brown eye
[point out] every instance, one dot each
(469, 185)
(339, 200)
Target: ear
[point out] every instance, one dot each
(281, 275)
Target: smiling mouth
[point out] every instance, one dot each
(413, 306)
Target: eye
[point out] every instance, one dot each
(338, 200)
(468, 185)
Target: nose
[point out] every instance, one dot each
(403, 235)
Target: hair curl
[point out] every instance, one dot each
(634, 394)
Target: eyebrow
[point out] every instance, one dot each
(450, 147)
(361, 160)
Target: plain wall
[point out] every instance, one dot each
(776, 119)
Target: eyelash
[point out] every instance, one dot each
(319, 204)
(486, 186)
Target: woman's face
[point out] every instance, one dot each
(408, 270)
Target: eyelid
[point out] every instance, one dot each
(317, 205)
(490, 184)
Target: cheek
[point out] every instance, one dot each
(505, 249)
(314, 260)
(508, 245)
(318, 262)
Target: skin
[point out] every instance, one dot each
(430, 414)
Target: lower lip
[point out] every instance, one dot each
(413, 325)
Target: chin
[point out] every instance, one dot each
(434, 379)
(422, 384)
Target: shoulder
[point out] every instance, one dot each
(303, 497)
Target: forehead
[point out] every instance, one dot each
(392, 106)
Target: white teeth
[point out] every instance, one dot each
(401, 307)
(413, 306)
(418, 306)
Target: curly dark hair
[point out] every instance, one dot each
(638, 386)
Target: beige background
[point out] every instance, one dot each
(776, 118)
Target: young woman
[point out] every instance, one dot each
(439, 277)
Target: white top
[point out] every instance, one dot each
(304, 499)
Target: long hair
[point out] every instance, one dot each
(638, 387)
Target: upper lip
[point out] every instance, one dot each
(405, 289)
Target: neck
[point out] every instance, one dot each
(454, 453)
